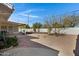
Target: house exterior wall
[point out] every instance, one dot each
(8, 28)
(6, 10)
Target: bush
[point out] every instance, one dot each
(49, 30)
(2, 39)
(11, 41)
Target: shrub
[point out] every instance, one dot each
(11, 41)
(49, 30)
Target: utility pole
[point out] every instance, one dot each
(28, 18)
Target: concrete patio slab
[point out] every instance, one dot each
(31, 52)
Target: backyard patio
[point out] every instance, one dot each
(26, 47)
(42, 42)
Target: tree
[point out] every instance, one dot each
(68, 22)
(75, 20)
(48, 23)
(36, 26)
(58, 26)
(59, 23)
(27, 26)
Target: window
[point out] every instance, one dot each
(3, 28)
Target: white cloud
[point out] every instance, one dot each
(33, 10)
(29, 15)
(28, 11)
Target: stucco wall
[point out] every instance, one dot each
(73, 31)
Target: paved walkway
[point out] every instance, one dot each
(30, 52)
(28, 46)
(25, 41)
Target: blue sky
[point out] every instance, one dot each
(38, 11)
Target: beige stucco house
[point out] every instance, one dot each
(6, 9)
